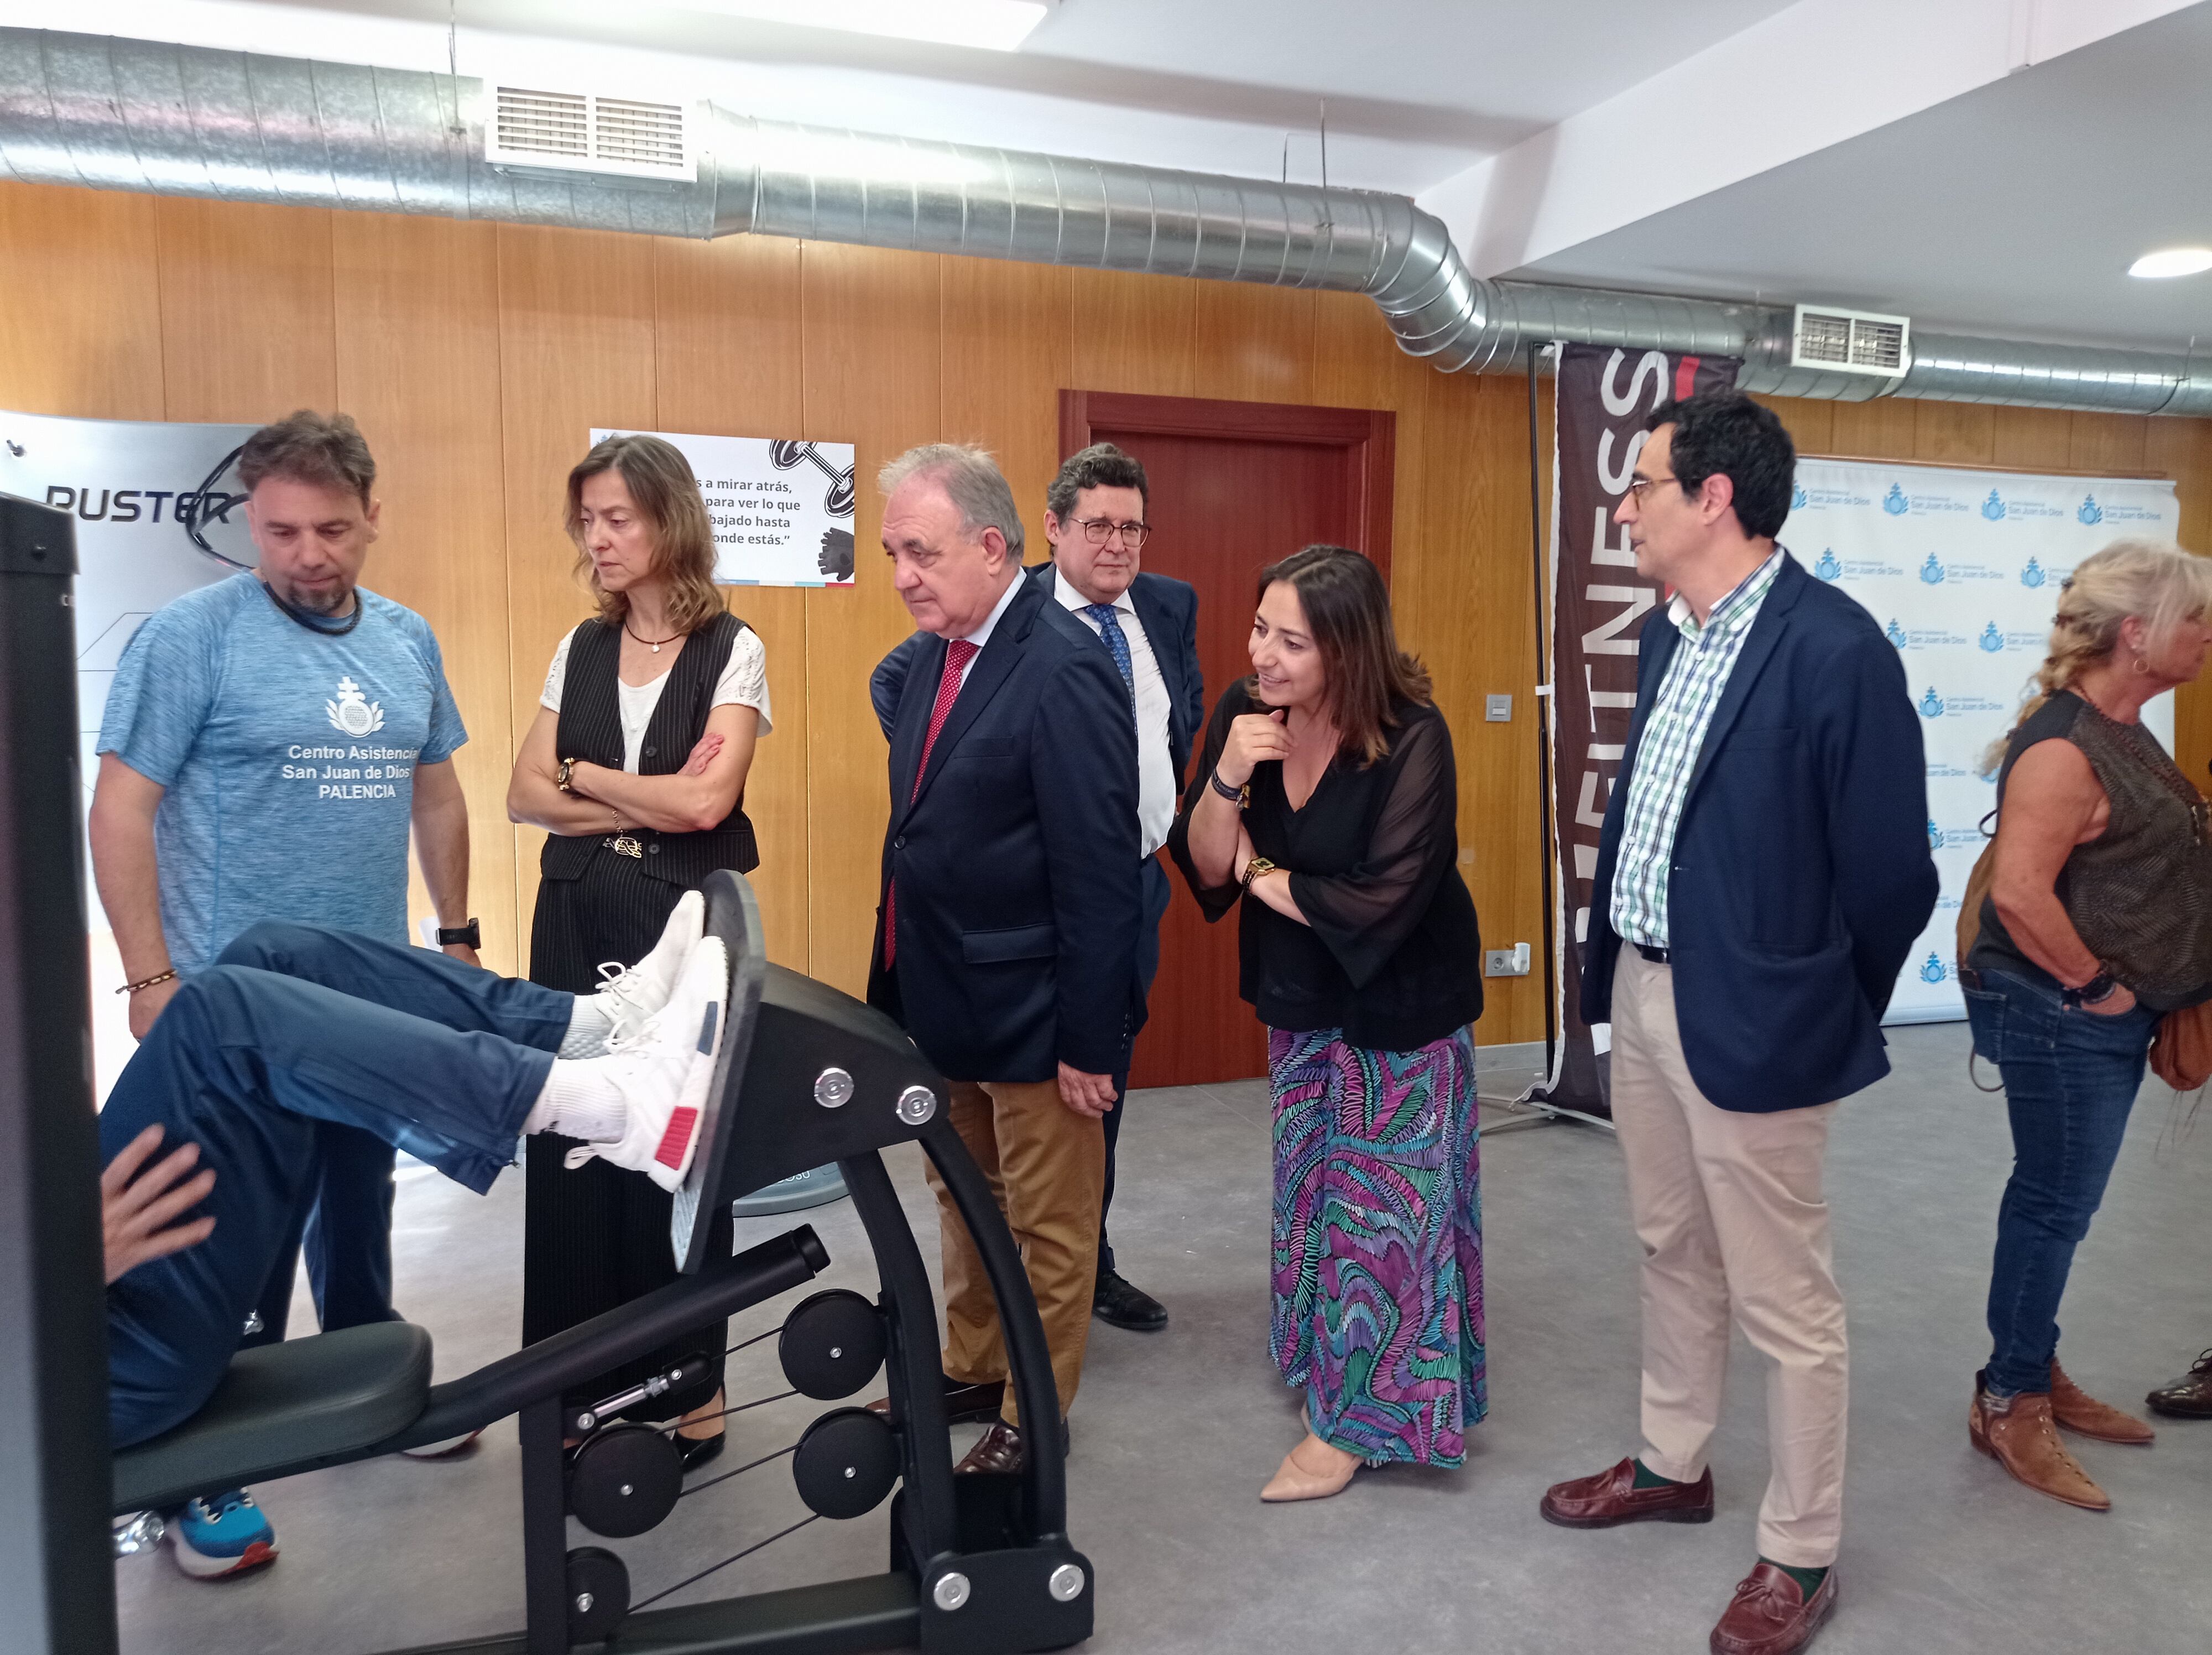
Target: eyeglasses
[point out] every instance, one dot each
(1098, 530)
(1640, 486)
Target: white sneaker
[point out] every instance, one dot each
(663, 1074)
(630, 995)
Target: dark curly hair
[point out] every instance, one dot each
(1102, 466)
(1726, 434)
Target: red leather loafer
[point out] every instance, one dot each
(1771, 1615)
(1612, 1497)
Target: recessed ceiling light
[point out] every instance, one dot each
(2173, 261)
(992, 25)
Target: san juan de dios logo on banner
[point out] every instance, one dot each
(1796, 497)
(1992, 639)
(1894, 633)
(2031, 575)
(1830, 567)
(1933, 969)
(1894, 502)
(1932, 570)
(1931, 704)
(2091, 513)
(1994, 507)
(354, 714)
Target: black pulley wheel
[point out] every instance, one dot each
(598, 1594)
(832, 1344)
(623, 1480)
(847, 1462)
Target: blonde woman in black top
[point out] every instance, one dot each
(635, 765)
(1325, 808)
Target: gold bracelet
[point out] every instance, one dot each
(133, 987)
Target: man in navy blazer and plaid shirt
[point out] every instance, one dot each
(1763, 872)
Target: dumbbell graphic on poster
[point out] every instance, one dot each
(774, 523)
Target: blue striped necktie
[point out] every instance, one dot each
(1117, 644)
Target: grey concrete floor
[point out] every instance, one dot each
(1175, 1432)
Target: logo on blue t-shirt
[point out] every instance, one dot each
(353, 712)
(1994, 507)
(2033, 576)
(1828, 568)
(1894, 502)
(1933, 969)
(1931, 704)
(1932, 570)
(1992, 639)
(2091, 513)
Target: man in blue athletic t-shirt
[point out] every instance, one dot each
(268, 745)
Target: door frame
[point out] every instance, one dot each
(1371, 435)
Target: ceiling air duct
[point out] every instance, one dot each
(183, 121)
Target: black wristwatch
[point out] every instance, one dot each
(471, 933)
(2095, 992)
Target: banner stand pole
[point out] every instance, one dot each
(1543, 1110)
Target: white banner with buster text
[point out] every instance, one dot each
(158, 511)
(782, 509)
(1962, 569)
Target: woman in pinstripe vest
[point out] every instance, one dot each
(635, 765)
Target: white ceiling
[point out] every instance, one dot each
(2014, 210)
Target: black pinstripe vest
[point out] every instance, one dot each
(591, 729)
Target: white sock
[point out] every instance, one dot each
(589, 1026)
(581, 1100)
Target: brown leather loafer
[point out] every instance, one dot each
(1771, 1615)
(965, 1403)
(2016, 1432)
(2073, 1408)
(2189, 1397)
(1612, 1497)
(1001, 1449)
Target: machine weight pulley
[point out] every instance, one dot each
(598, 1593)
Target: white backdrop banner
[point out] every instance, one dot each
(1962, 570)
(782, 508)
(158, 511)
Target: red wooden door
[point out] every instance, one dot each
(1235, 486)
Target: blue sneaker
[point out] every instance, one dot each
(219, 1536)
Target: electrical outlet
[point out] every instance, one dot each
(1506, 962)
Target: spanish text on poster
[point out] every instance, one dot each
(782, 508)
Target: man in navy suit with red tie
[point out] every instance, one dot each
(1006, 940)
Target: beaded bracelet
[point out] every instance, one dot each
(133, 987)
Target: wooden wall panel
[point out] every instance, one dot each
(246, 322)
(463, 348)
(728, 343)
(1009, 349)
(81, 333)
(1254, 344)
(1135, 333)
(874, 356)
(415, 302)
(576, 351)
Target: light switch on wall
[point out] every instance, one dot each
(1497, 710)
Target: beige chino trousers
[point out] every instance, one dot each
(1046, 1165)
(1729, 1210)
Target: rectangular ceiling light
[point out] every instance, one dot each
(992, 25)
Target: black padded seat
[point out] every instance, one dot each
(282, 1407)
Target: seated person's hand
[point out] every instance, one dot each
(136, 1211)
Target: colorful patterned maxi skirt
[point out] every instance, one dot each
(1377, 1244)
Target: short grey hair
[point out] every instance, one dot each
(971, 480)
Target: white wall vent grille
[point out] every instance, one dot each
(1851, 341)
(572, 134)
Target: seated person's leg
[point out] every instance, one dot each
(243, 1063)
(348, 1243)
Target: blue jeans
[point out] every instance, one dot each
(292, 1028)
(2070, 1077)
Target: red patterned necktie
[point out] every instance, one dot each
(957, 654)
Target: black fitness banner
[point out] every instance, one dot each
(1598, 605)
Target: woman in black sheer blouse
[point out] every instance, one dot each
(1325, 808)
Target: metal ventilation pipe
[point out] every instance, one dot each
(184, 120)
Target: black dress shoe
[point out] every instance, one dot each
(695, 1451)
(2189, 1397)
(1115, 1302)
(965, 1403)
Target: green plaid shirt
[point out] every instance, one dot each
(1668, 751)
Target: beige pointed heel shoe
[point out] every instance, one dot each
(1312, 1470)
